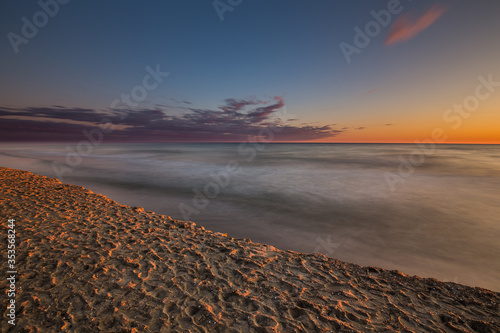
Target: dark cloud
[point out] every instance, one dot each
(55, 112)
(235, 120)
(262, 113)
(234, 105)
(15, 130)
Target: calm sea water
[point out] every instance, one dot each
(363, 203)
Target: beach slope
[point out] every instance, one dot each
(87, 264)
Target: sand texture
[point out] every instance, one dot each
(88, 264)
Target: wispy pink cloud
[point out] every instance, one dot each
(370, 92)
(405, 28)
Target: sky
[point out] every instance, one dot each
(237, 70)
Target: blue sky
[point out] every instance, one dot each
(90, 53)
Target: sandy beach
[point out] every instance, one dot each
(88, 264)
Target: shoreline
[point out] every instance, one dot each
(85, 262)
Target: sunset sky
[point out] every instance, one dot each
(219, 71)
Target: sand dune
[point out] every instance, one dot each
(88, 264)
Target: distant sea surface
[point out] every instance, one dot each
(434, 213)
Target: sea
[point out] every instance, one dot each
(427, 210)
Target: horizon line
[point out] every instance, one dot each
(249, 142)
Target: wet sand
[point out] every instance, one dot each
(88, 264)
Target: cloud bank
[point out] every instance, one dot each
(236, 120)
